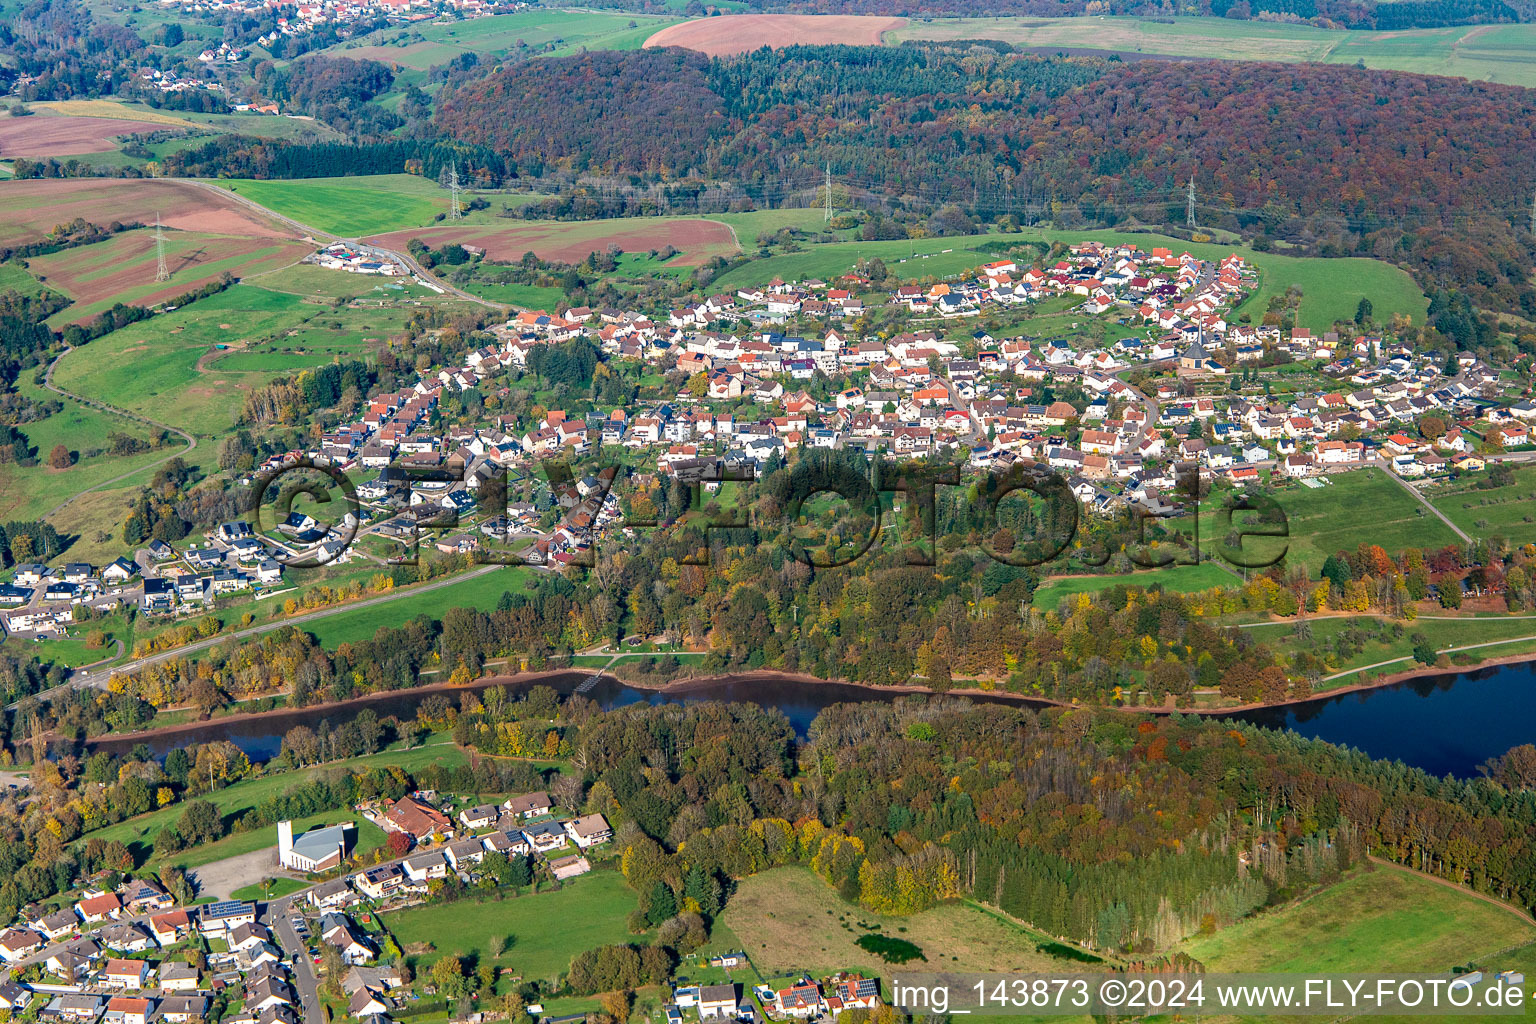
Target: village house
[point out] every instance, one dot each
(590, 830)
(18, 944)
(717, 1002)
(529, 805)
(416, 819)
(425, 866)
(125, 974)
(99, 908)
(127, 1010)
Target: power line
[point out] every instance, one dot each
(827, 217)
(453, 188)
(1148, 202)
(1190, 215)
(162, 272)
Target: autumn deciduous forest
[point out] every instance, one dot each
(1430, 172)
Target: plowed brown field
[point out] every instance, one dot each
(740, 33)
(39, 136)
(570, 242)
(29, 209)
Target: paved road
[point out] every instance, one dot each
(1444, 650)
(325, 237)
(1148, 403)
(1356, 615)
(304, 980)
(99, 680)
(1419, 497)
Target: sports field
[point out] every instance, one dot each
(1384, 920)
(525, 33)
(547, 929)
(1494, 53)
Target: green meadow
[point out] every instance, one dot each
(1361, 506)
(524, 296)
(477, 592)
(28, 492)
(1509, 511)
(752, 223)
(234, 800)
(1505, 634)
(174, 357)
(1181, 579)
(349, 207)
(1387, 920)
(310, 281)
(1493, 53)
(908, 258)
(1331, 288)
(547, 930)
(14, 277)
(526, 33)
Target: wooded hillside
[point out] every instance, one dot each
(1433, 172)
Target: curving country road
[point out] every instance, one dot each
(325, 237)
(304, 230)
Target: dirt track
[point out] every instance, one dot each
(740, 33)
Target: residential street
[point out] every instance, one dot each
(304, 981)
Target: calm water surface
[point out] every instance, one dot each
(1445, 724)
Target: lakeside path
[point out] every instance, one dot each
(99, 679)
